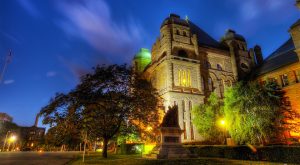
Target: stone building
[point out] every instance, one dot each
(186, 64)
(283, 67)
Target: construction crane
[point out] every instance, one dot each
(6, 62)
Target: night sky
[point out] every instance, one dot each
(56, 41)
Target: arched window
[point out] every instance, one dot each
(184, 33)
(219, 67)
(177, 32)
(210, 84)
(244, 66)
(207, 65)
(182, 53)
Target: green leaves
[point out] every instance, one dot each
(206, 118)
(250, 110)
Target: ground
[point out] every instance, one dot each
(94, 159)
(36, 158)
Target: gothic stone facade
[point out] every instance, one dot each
(187, 65)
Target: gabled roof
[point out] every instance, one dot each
(283, 56)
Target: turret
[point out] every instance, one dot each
(298, 3)
(295, 32)
(241, 60)
(141, 60)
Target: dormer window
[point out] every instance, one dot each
(285, 80)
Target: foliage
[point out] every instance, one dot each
(6, 127)
(105, 101)
(251, 112)
(207, 117)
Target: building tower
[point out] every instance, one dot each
(242, 59)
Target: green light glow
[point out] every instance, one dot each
(142, 59)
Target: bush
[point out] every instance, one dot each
(286, 154)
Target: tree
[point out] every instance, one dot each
(250, 111)
(62, 116)
(207, 117)
(105, 100)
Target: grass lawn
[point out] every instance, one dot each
(95, 158)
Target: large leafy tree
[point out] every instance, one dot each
(207, 119)
(103, 102)
(252, 112)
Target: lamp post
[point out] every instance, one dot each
(223, 125)
(12, 139)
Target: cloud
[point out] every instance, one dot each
(7, 82)
(51, 74)
(31, 9)
(92, 22)
(253, 9)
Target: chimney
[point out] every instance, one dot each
(258, 55)
(36, 120)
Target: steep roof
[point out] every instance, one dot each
(283, 56)
(204, 39)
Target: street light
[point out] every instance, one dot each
(12, 139)
(222, 123)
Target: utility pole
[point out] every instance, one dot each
(7, 61)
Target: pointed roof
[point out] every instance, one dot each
(281, 57)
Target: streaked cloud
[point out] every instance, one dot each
(51, 74)
(253, 9)
(92, 22)
(7, 82)
(29, 6)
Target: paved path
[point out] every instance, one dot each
(36, 158)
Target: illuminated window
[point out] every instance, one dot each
(184, 78)
(285, 80)
(272, 79)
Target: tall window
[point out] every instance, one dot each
(210, 84)
(184, 78)
(285, 80)
(192, 132)
(190, 109)
(183, 109)
(184, 129)
(202, 83)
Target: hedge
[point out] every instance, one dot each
(284, 154)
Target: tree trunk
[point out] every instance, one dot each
(104, 151)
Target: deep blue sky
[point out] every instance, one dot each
(56, 41)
